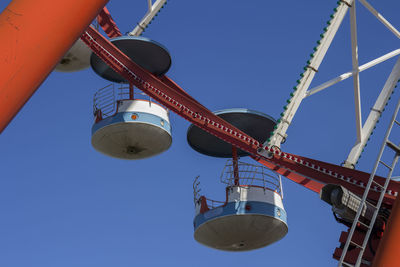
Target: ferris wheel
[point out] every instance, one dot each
(131, 125)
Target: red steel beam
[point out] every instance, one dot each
(312, 185)
(35, 43)
(35, 36)
(235, 165)
(174, 99)
(310, 173)
(319, 173)
(107, 23)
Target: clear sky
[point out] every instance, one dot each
(63, 204)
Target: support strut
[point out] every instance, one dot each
(108, 24)
(235, 165)
(36, 34)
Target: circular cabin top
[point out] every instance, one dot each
(148, 54)
(256, 124)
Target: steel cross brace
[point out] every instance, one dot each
(374, 116)
(110, 27)
(153, 9)
(363, 131)
(107, 23)
(303, 84)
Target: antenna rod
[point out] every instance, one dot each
(131, 92)
(235, 165)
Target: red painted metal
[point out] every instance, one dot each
(388, 251)
(131, 91)
(34, 67)
(235, 165)
(203, 204)
(352, 255)
(297, 168)
(310, 173)
(172, 98)
(313, 185)
(168, 81)
(107, 23)
(27, 54)
(35, 36)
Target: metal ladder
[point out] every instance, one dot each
(386, 144)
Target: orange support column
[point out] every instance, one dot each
(35, 34)
(389, 247)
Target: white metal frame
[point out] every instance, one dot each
(251, 175)
(374, 115)
(356, 72)
(301, 92)
(280, 133)
(383, 188)
(153, 9)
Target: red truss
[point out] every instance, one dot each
(312, 174)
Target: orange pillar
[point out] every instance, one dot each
(35, 34)
(389, 247)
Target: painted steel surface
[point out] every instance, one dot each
(255, 193)
(77, 58)
(288, 170)
(165, 91)
(307, 172)
(388, 250)
(252, 217)
(148, 54)
(139, 130)
(241, 232)
(32, 45)
(256, 124)
(141, 117)
(141, 105)
(241, 208)
(302, 170)
(108, 24)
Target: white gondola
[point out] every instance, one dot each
(129, 128)
(77, 58)
(133, 128)
(251, 217)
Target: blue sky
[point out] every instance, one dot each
(64, 204)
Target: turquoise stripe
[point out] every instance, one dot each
(239, 208)
(126, 117)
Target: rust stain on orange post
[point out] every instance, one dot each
(34, 37)
(389, 247)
